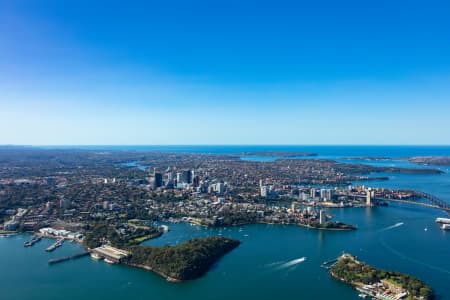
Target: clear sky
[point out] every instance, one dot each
(224, 72)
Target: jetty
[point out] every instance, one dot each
(66, 258)
(33, 241)
(57, 244)
(328, 264)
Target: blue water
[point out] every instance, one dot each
(324, 151)
(269, 263)
(263, 266)
(134, 164)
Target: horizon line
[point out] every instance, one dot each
(223, 145)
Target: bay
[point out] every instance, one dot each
(273, 261)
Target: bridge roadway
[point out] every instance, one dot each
(435, 201)
(415, 203)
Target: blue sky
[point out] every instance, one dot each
(224, 72)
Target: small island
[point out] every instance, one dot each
(183, 262)
(376, 283)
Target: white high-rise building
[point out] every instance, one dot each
(293, 206)
(322, 217)
(219, 188)
(264, 190)
(369, 196)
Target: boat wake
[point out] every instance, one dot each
(291, 263)
(392, 226)
(274, 264)
(277, 266)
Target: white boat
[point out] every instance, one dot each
(96, 256)
(4, 235)
(445, 227)
(109, 261)
(443, 220)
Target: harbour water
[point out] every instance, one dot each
(273, 261)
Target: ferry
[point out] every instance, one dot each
(443, 220)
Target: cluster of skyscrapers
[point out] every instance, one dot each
(184, 179)
(172, 179)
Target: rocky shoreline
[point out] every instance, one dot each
(148, 268)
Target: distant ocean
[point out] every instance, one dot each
(322, 151)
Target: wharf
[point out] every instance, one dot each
(66, 258)
(33, 241)
(57, 244)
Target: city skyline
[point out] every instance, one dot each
(224, 73)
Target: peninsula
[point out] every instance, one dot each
(279, 154)
(431, 160)
(187, 261)
(376, 283)
(331, 225)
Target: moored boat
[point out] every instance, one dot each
(445, 227)
(109, 261)
(96, 256)
(443, 220)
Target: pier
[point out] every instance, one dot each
(33, 241)
(57, 244)
(328, 264)
(66, 258)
